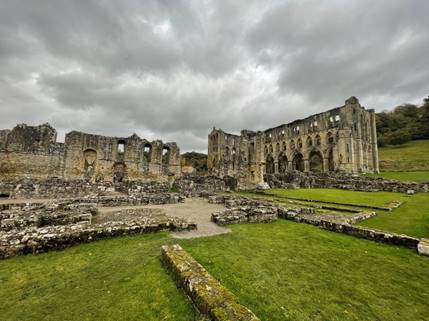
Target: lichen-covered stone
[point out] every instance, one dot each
(209, 296)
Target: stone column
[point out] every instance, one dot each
(374, 142)
(276, 167)
(325, 164)
(306, 165)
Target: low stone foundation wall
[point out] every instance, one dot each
(361, 232)
(296, 179)
(38, 240)
(209, 296)
(61, 188)
(46, 214)
(245, 214)
(202, 186)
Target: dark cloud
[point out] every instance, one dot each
(174, 69)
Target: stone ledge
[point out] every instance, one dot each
(209, 296)
(357, 231)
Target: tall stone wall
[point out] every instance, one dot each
(341, 139)
(119, 159)
(32, 152)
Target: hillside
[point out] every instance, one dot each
(411, 156)
(196, 160)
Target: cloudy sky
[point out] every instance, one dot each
(174, 69)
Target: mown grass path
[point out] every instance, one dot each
(339, 196)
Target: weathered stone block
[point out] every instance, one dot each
(209, 296)
(423, 247)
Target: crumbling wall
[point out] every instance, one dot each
(341, 139)
(32, 152)
(96, 157)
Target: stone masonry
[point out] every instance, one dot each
(33, 152)
(341, 139)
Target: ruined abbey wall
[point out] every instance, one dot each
(341, 139)
(32, 152)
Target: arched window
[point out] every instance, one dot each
(316, 161)
(318, 140)
(121, 146)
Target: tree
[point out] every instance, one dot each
(423, 127)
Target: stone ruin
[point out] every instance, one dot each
(341, 139)
(33, 152)
(88, 171)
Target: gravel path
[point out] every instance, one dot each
(199, 211)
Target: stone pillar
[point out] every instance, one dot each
(289, 165)
(374, 142)
(306, 165)
(325, 164)
(359, 146)
(276, 167)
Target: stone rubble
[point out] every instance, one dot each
(37, 240)
(295, 179)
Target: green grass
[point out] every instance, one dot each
(118, 279)
(411, 156)
(411, 218)
(281, 271)
(292, 271)
(417, 176)
(339, 196)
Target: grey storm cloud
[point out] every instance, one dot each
(174, 69)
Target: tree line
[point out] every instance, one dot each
(404, 123)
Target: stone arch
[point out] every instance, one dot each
(283, 163)
(147, 154)
(309, 142)
(316, 161)
(329, 138)
(119, 172)
(269, 165)
(121, 146)
(318, 140)
(165, 158)
(298, 162)
(226, 155)
(90, 161)
(284, 147)
(299, 143)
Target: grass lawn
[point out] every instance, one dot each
(410, 156)
(292, 271)
(338, 195)
(418, 176)
(118, 279)
(282, 271)
(411, 218)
